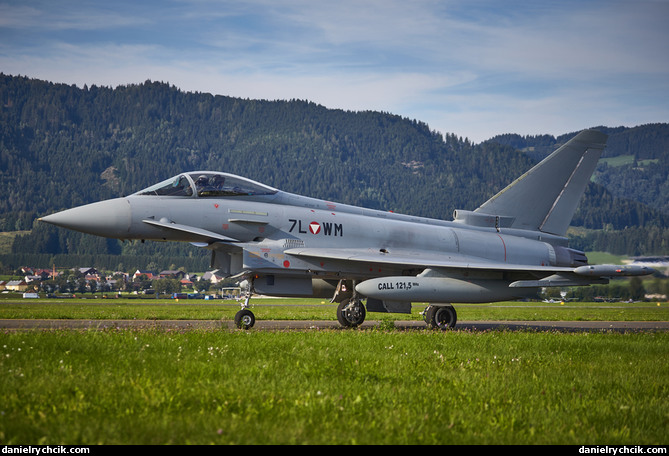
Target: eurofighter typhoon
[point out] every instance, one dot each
(282, 244)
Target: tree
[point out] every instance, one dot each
(166, 286)
(637, 290)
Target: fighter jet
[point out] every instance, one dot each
(283, 244)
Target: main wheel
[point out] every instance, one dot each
(440, 317)
(244, 319)
(351, 313)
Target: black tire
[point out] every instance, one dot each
(351, 313)
(441, 317)
(244, 319)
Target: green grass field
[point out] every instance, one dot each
(367, 386)
(316, 309)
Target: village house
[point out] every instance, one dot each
(213, 276)
(88, 271)
(149, 274)
(178, 275)
(16, 285)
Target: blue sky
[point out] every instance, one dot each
(475, 68)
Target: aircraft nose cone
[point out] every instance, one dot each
(109, 218)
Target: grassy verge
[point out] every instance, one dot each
(367, 386)
(317, 309)
(333, 387)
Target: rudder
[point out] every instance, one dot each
(545, 197)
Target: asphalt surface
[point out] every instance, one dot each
(278, 325)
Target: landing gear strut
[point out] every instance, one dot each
(244, 319)
(440, 316)
(351, 313)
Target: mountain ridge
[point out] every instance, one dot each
(63, 146)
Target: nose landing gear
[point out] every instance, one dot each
(244, 319)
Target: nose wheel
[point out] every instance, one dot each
(244, 319)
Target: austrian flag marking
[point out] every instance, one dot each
(314, 227)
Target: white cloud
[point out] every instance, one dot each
(474, 68)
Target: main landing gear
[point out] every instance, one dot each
(440, 316)
(351, 313)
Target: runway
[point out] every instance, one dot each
(282, 325)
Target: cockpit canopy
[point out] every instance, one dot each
(206, 184)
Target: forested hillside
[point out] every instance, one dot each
(635, 163)
(62, 146)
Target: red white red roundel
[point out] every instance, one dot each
(314, 227)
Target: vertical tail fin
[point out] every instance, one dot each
(545, 198)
